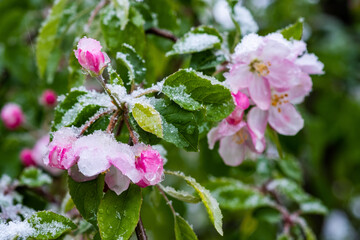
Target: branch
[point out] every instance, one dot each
(93, 119)
(94, 13)
(113, 121)
(161, 33)
(140, 231)
(126, 120)
(168, 202)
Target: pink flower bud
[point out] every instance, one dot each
(90, 56)
(150, 165)
(242, 102)
(48, 98)
(12, 116)
(60, 155)
(26, 157)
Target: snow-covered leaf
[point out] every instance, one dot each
(197, 40)
(114, 77)
(194, 91)
(294, 31)
(206, 60)
(212, 206)
(133, 62)
(183, 231)
(118, 215)
(148, 118)
(34, 177)
(49, 225)
(87, 196)
(47, 36)
(180, 194)
(235, 195)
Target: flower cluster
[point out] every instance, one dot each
(88, 156)
(269, 75)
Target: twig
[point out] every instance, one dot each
(168, 202)
(140, 231)
(107, 90)
(147, 92)
(113, 121)
(161, 33)
(94, 13)
(126, 120)
(222, 68)
(93, 119)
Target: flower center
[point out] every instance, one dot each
(259, 67)
(277, 100)
(240, 137)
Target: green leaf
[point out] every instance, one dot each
(235, 195)
(194, 91)
(34, 177)
(87, 196)
(290, 168)
(197, 40)
(212, 206)
(133, 62)
(78, 106)
(294, 192)
(47, 36)
(183, 231)
(164, 14)
(76, 76)
(294, 31)
(148, 118)
(284, 236)
(179, 126)
(114, 78)
(133, 33)
(206, 60)
(180, 195)
(122, 8)
(119, 215)
(144, 136)
(49, 225)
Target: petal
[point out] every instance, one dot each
(298, 92)
(310, 64)
(257, 121)
(259, 90)
(283, 74)
(91, 163)
(241, 100)
(286, 121)
(231, 152)
(222, 130)
(117, 181)
(239, 76)
(75, 174)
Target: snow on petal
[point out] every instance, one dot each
(116, 181)
(310, 64)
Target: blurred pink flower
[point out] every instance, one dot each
(90, 56)
(26, 157)
(48, 98)
(12, 116)
(149, 164)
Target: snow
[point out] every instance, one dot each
(11, 230)
(194, 42)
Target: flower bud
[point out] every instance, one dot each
(150, 165)
(48, 98)
(90, 56)
(60, 155)
(12, 116)
(26, 157)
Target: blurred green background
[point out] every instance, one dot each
(328, 147)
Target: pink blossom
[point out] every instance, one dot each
(90, 56)
(39, 152)
(263, 64)
(12, 116)
(48, 98)
(149, 164)
(26, 157)
(60, 149)
(242, 103)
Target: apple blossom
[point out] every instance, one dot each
(26, 157)
(12, 116)
(90, 56)
(48, 98)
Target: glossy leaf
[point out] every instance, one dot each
(118, 215)
(180, 194)
(87, 196)
(148, 118)
(183, 231)
(194, 91)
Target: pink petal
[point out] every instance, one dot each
(310, 64)
(224, 129)
(116, 181)
(286, 121)
(89, 44)
(283, 74)
(259, 90)
(231, 152)
(241, 100)
(298, 92)
(239, 76)
(257, 121)
(75, 174)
